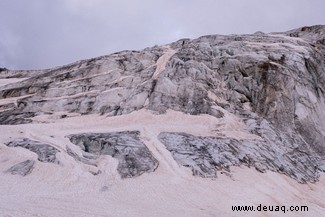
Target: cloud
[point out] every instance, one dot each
(44, 33)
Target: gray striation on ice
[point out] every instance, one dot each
(23, 168)
(133, 155)
(46, 153)
(206, 155)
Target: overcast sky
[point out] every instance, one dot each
(37, 34)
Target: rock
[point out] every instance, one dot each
(24, 168)
(207, 155)
(46, 153)
(133, 156)
(80, 159)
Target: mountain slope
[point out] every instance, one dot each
(183, 111)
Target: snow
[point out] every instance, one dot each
(162, 61)
(69, 189)
(6, 81)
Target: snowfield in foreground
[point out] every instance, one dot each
(72, 188)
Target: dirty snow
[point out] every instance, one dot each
(70, 189)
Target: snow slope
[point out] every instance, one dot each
(71, 189)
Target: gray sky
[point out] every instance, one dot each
(37, 34)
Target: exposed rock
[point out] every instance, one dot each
(23, 168)
(133, 156)
(46, 153)
(207, 155)
(78, 158)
